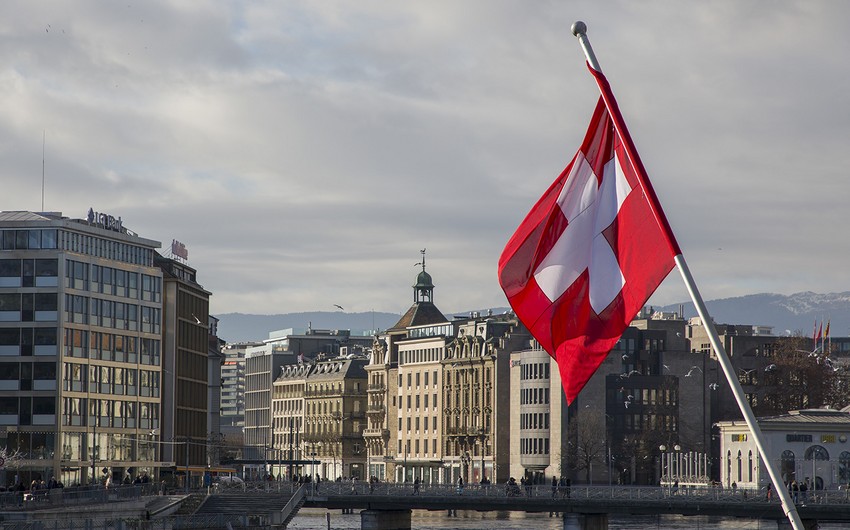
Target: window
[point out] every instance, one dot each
(787, 466)
(844, 467)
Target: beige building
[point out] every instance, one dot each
(288, 405)
(478, 401)
(335, 417)
(439, 394)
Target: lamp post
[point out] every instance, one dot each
(464, 465)
(290, 448)
(187, 464)
(404, 471)
(313, 470)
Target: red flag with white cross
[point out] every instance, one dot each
(591, 252)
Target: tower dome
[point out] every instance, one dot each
(423, 289)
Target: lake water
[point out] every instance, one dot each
(317, 519)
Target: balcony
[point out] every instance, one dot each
(376, 433)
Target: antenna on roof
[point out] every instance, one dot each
(43, 139)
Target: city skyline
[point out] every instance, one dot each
(305, 154)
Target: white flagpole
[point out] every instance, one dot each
(579, 29)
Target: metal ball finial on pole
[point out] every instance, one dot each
(579, 28)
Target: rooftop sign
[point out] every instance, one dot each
(105, 221)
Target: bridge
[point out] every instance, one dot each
(389, 506)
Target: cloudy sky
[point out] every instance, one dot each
(306, 151)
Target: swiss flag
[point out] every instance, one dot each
(591, 252)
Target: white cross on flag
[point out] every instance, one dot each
(591, 252)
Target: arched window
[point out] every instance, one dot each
(739, 467)
(817, 452)
(788, 466)
(814, 454)
(844, 468)
(728, 466)
(750, 466)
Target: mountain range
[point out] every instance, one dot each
(787, 314)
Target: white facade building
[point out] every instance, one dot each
(809, 446)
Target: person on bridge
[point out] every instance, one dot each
(485, 483)
(460, 485)
(554, 486)
(416, 486)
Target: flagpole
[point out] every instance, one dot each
(579, 29)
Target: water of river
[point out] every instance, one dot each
(317, 519)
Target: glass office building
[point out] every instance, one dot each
(80, 349)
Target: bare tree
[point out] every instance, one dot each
(796, 378)
(588, 435)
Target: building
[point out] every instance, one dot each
(288, 411)
(335, 417)
(233, 385)
(80, 348)
(440, 395)
(807, 446)
(186, 371)
(539, 443)
(477, 400)
(263, 365)
(215, 360)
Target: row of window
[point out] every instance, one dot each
(108, 314)
(111, 380)
(412, 447)
(414, 423)
(26, 406)
(534, 396)
(646, 422)
(107, 280)
(26, 302)
(109, 347)
(25, 373)
(29, 272)
(534, 446)
(108, 446)
(417, 400)
(51, 239)
(105, 248)
(534, 420)
(421, 356)
(109, 413)
(534, 371)
(28, 239)
(26, 341)
(418, 377)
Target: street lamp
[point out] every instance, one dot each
(464, 465)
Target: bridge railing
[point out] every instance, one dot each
(578, 492)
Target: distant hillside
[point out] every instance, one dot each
(239, 327)
(793, 313)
